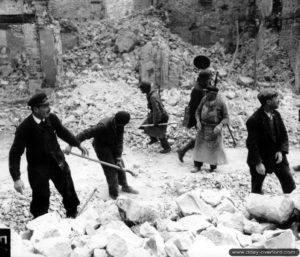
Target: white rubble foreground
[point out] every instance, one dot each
(208, 224)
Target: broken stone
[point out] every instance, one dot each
(135, 211)
(200, 244)
(81, 252)
(126, 40)
(232, 220)
(97, 241)
(139, 252)
(54, 246)
(283, 239)
(226, 206)
(276, 209)
(172, 250)
(116, 246)
(195, 223)
(183, 241)
(245, 81)
(191, 203)
(211, 197)
(220, 236)
(100, 253)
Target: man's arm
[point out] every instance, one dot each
(252, 140)
(118, 150)
(90, 133)
(225, 114)
(155, 110)
(15, 153)
(62, 132)
(284, 139)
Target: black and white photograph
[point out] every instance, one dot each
(149, 128)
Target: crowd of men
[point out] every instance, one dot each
(207, 112)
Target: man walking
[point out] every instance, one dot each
(38, 134)
(108, 144)
(268, 145)
(157, 115)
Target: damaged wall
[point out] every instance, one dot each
(289, 35)
(204, 22)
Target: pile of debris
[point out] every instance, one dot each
(207, 224)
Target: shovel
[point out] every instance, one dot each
(105, 163)
(161, 124)
(86, 202)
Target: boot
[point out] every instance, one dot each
(197, 167)
(129, 189)
(165, 145)
(181, 152)
(152, 141)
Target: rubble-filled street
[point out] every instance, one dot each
(176, 213)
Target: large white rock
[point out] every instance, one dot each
(221, 236)
(97, 241)
(276, 209)
(245, 81)
(232, 220)
(172, 250)
(139, 252)
(226, 205)
(155, 242)
(49, 225)
(211, 197)
(119, 228)
(199, 245)
(100, 253)
(116, 246)
(55, 246)
(195, 223)
(284, 239)
(81, 252)
(295, 196)
(191, 203)
(136, 211)
(183, 241)
(109, 214)
(88, 220)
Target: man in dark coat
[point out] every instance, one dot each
(197, 94)
(108, 144)
(157, 115)
(38, 134)
(268, 144)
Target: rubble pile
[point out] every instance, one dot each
(207, 220)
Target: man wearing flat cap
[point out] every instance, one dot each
(268, 144)
(38, 135)
(108, 144)
(211, 115)
(157, 115)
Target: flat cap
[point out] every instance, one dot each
(266, 94)
(38, 100)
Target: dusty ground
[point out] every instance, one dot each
(160, 177)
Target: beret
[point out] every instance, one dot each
(38, 100)
(266, 94)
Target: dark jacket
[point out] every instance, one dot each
(157, 110)
(105, 134)
(196, 96)
(41, 144)
(260, 143)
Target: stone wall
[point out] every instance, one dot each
(204, 22)
(290, 34)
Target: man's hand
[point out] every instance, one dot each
(84, 151)
(199, 127)
(218, 129)
(68, 150)
(278, 157)
(19, 186)
(120, 163)
(260, 168)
